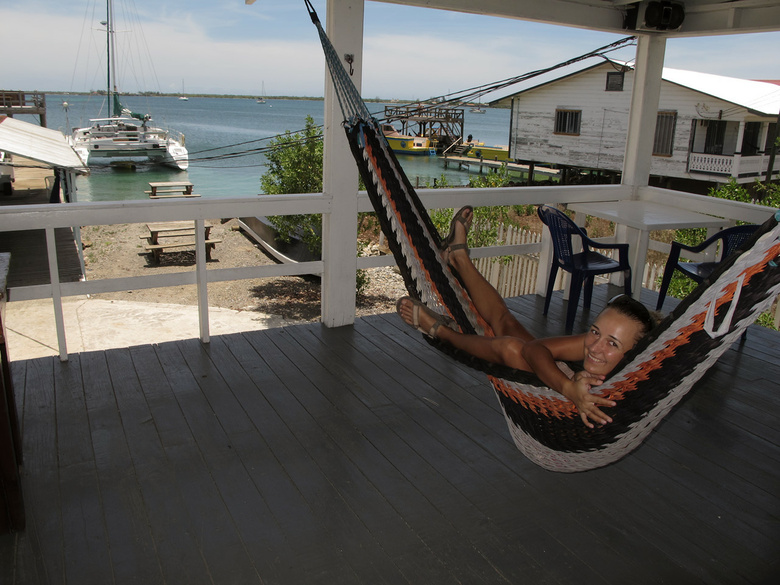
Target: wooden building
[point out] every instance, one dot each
(708, 128)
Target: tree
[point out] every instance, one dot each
(295, 166)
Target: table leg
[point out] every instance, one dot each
(638, 242)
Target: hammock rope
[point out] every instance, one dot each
(650, 380)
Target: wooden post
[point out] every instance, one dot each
(772, 151)
(340, 175)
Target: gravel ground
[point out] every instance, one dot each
(118, 251)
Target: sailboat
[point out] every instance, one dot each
(261, 99)
(126, 136)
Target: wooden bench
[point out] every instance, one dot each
(158, 249)
(176, 229)
(170, 189)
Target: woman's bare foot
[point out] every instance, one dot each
(457, 251)
(420, 317)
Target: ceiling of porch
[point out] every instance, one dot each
(702, 17)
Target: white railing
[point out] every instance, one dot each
(732, 166)
(74, 215)
(710, 163)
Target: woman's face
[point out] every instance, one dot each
(607, 341)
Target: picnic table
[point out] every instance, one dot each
(171, 235)
(168, 189)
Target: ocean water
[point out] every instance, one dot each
(217, 126)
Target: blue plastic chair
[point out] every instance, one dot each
(583, 266)
(730, 239)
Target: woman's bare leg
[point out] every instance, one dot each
(487, 300)
(506, 350)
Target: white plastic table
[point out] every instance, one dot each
(634, 220)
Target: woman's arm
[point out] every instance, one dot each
(541, 355)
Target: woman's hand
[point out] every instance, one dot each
(578, 391)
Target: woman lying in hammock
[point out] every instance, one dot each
(615, 331)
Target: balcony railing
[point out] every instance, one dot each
(731, 166)
(74, 215)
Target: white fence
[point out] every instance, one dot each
(514, 276)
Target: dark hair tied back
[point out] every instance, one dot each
(633, 309)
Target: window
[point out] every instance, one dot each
(567, 121)
(615, 81)
(716, 135)
(750, 138)
(663, 144)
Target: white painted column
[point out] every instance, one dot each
(737, 160)
(344, 25)
(644, 111)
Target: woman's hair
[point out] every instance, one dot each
(633, 309)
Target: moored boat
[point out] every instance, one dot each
(488, 152)
(405, 144)
(126, 135)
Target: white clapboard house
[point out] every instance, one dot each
(709, 127)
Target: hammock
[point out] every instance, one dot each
(650, 380)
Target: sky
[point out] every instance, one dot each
(227, 47)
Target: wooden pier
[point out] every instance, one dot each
(466, 163)
(21, 102)
(444, 126)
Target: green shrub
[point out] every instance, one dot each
(295, 166)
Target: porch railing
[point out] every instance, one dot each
(732, 166)
(75, 215)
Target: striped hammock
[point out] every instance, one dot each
(651, 379)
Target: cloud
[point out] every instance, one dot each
(225, 47)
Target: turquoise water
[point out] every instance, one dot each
(216, 126)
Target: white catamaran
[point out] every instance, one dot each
(126, 136)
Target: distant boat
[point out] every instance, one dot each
(478, 109)
(261, 99)
(126, 135)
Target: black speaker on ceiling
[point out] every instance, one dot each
(658, 15)
(664, 15)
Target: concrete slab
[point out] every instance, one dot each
(94, 324)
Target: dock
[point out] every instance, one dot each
(467, 163)
(23, 102)
(443, 125)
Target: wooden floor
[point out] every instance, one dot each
(360, 455)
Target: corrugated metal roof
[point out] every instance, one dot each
(39, 144)
(760, 96)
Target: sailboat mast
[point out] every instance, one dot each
(108, 52)
(111, 57)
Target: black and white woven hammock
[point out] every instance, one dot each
(647, 384)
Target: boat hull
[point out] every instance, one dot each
(413, 145)
(123, 139)
(499, 153)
